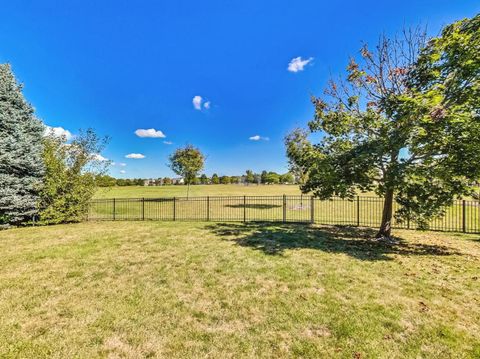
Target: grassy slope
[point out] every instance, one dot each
(137, 289)
(197, 190)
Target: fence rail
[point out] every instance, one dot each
(462, 216)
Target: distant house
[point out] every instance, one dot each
(178, 180)
(149, 182)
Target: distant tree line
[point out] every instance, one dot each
(249, 178)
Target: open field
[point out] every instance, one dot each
(462, 216)
(204, 190)
(197, 190)
(178, 289)
(262, 203)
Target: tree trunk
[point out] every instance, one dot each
(386, 226)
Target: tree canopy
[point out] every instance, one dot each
(187, 162)
(72, 173)
(404, 122)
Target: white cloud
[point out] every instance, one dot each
(197, 102)
(151, 132)
(122, 164)
(123, 172)
(168, 142)
(98, 157)
(258, 138)
(136, 156)
(297, 64)
(58, 131)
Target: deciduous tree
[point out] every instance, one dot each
(249, 177)
(71, 170)
(187, 162)
(203, 179)
(225, 180)
(404, 123)
(215, 179)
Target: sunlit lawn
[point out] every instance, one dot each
(170, 289)
(202, 190)
(197, 190)
(260, 205)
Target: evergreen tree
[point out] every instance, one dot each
(21, 166)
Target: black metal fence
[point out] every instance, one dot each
(462, 216)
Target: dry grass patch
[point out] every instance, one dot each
(158, 289)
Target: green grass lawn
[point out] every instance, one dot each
(197, 190)
(179, 289)
(363, 211)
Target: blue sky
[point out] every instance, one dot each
(119, 66)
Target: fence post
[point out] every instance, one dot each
(464, 217)
(284, 208)
(143, 208)
(358, 211)
(114, 209)
(244, 209)
(208, 208)
(174, 208)
(312, 210)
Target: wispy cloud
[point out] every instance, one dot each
(123, 172)
(58, 131)
(168, 142)
(135, 156)
(197, 102)
(258, 138)
(98, 157)
(122, 164)
(297, 64)
(151, 133)
(206, 105)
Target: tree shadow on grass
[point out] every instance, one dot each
(472, 237)
(274, 239)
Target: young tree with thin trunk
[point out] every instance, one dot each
(387, 127)
(187, 162)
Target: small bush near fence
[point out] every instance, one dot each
(462, 216)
